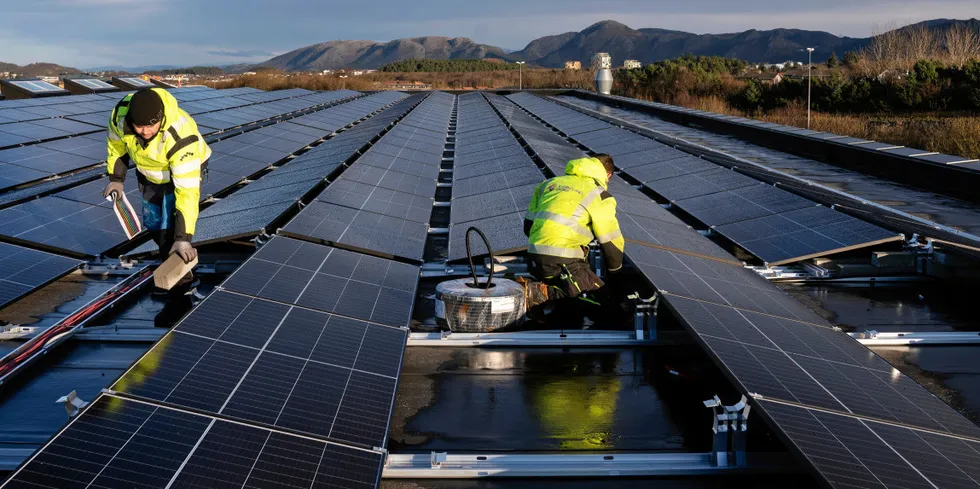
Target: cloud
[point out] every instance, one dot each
(242, 53)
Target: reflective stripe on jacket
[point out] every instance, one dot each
(566, 213)
(170, 162)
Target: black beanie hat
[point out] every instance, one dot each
(145, 108)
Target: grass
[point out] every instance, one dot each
(955, 134)
(950, 133)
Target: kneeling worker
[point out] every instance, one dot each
(149, 129)
(565, 214)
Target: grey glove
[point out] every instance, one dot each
(113, 187)
(184, 250)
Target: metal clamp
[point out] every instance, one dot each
(730, 427)
(72, 403)
(645, 316)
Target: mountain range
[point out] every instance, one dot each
(619, 40)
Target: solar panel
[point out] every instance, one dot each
(522, 175)
(35, 86)
(402, 182)
(702, 183)
(62, 224)
(670, 235)
(278, 364)
(852, 451)
(131, 83)
(378, 200)
(742, 204)
(490, 204)
(715, 281)
(88, 85)
(505, 233)
(123, 442)
(330, 280)
(360, 230)
(804, 233)
(23, 270)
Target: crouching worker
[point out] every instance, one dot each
(565, 215)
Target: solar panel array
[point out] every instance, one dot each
(87, 226)
(854, 417)
(378, 205)
(641, 220)
(769, 231)
(920, 155)
(23, 126)
(266, 382)
(251, 209)
(23, 270)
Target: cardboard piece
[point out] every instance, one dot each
(171, 271)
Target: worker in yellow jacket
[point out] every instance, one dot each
(148, 129)
(565, 215)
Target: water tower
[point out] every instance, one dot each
(602, 64)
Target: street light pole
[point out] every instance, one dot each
(809, 81)
(520, 70)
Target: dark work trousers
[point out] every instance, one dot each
(159, 217)
(575, 291)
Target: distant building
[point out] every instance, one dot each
(54, 80)
(632, 64)
(573, 65)
(407, 85)
(326, 72)
(764, 78)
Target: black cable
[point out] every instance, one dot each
(469, 256)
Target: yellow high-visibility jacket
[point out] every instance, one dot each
(567, 212)
(169, 163)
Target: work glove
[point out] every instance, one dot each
(113, 187)
(184, 250)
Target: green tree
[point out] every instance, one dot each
(832, 61)
(851, 59)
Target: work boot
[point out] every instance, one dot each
(180, 300)
(173, 311)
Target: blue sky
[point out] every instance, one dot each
(90, 33)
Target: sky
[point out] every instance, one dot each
(96, 33)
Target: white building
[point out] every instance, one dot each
(632, 64)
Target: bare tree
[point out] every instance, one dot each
(961, 43)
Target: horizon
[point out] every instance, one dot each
(90, 34)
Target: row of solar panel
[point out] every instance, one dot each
(383, 202)
(641, 220)
(28, 124)
(250, 210)
(285, 343)
(926, 157)
(774, 225)
(25, 164)
(77, 221)
(493, 179)
(778, 350)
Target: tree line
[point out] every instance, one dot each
(446, 66)
(884, 77)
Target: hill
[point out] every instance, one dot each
(371, 54)
(622, 42)
(38, 69)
